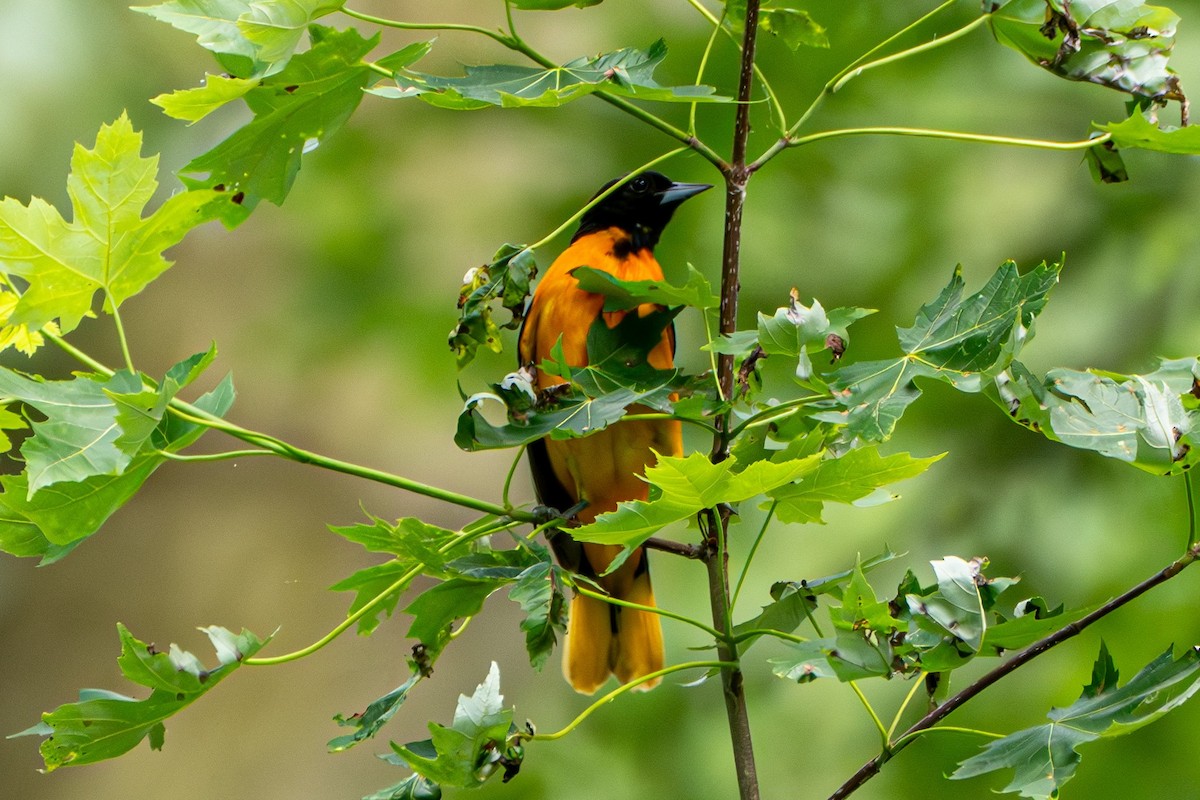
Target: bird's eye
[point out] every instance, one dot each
(640, 184)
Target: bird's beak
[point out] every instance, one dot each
(678, 192)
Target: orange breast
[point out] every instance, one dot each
(604, 468)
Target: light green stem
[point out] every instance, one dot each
(428, 26)
(946, 729)
(775, 412)
(654, 416)
(198, 416)
(578, 215)
(772, 98)
(226, 456)
(712, 40)
(399, 584)
(512, 471)
(982, 138)
(1191, 505)
(917, 683)
(662, 612)
(737, 590)
(787, 637)
(883, 735)
(116, 315)
(625, 687)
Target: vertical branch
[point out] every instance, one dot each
(736, 175)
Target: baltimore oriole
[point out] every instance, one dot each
(616, 236)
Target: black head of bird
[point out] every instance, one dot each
(641, 207)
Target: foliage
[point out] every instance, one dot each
(87, 444)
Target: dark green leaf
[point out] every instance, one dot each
(436, 609)
(1045, 757)
(294, 111)
(627, 73)
(376, 715)
(1105, 163)
(414, 787)
(539, 592)
(830, 584)
(794, 27)
(104, 725)
(790, 609)
(620, 295)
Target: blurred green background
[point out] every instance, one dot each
(332, 313)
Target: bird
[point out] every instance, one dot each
(593, 474)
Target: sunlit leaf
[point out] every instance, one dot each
(109, 246)
(850, 478)
(620, 295)
(262, 35)
(794, 27)
(50, 524)
(688, 485)
(196, 104)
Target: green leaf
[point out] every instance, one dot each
(857, 476)
(416, 545)
(685, 487)
(790, 609)
(831, 584)
(1033, 623)
(621, 295)
(50, 524)
(539, 592)
(294, 111)
(470, 750)
(1122, 44)
(507, 277)
(436, 609)
(1106, 164)
(91, 427)
(956, 608)
(626, 73)
(962, 341)
(1148, 420)
(794, 27)
(1139, 132)
(262, 35)
(376, 715)
(104, 725)
(109, 246)
(1045, 757)
(196, 104)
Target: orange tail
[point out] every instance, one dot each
(603, 638)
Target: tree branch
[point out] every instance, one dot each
(716, 520)
(872, 767)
